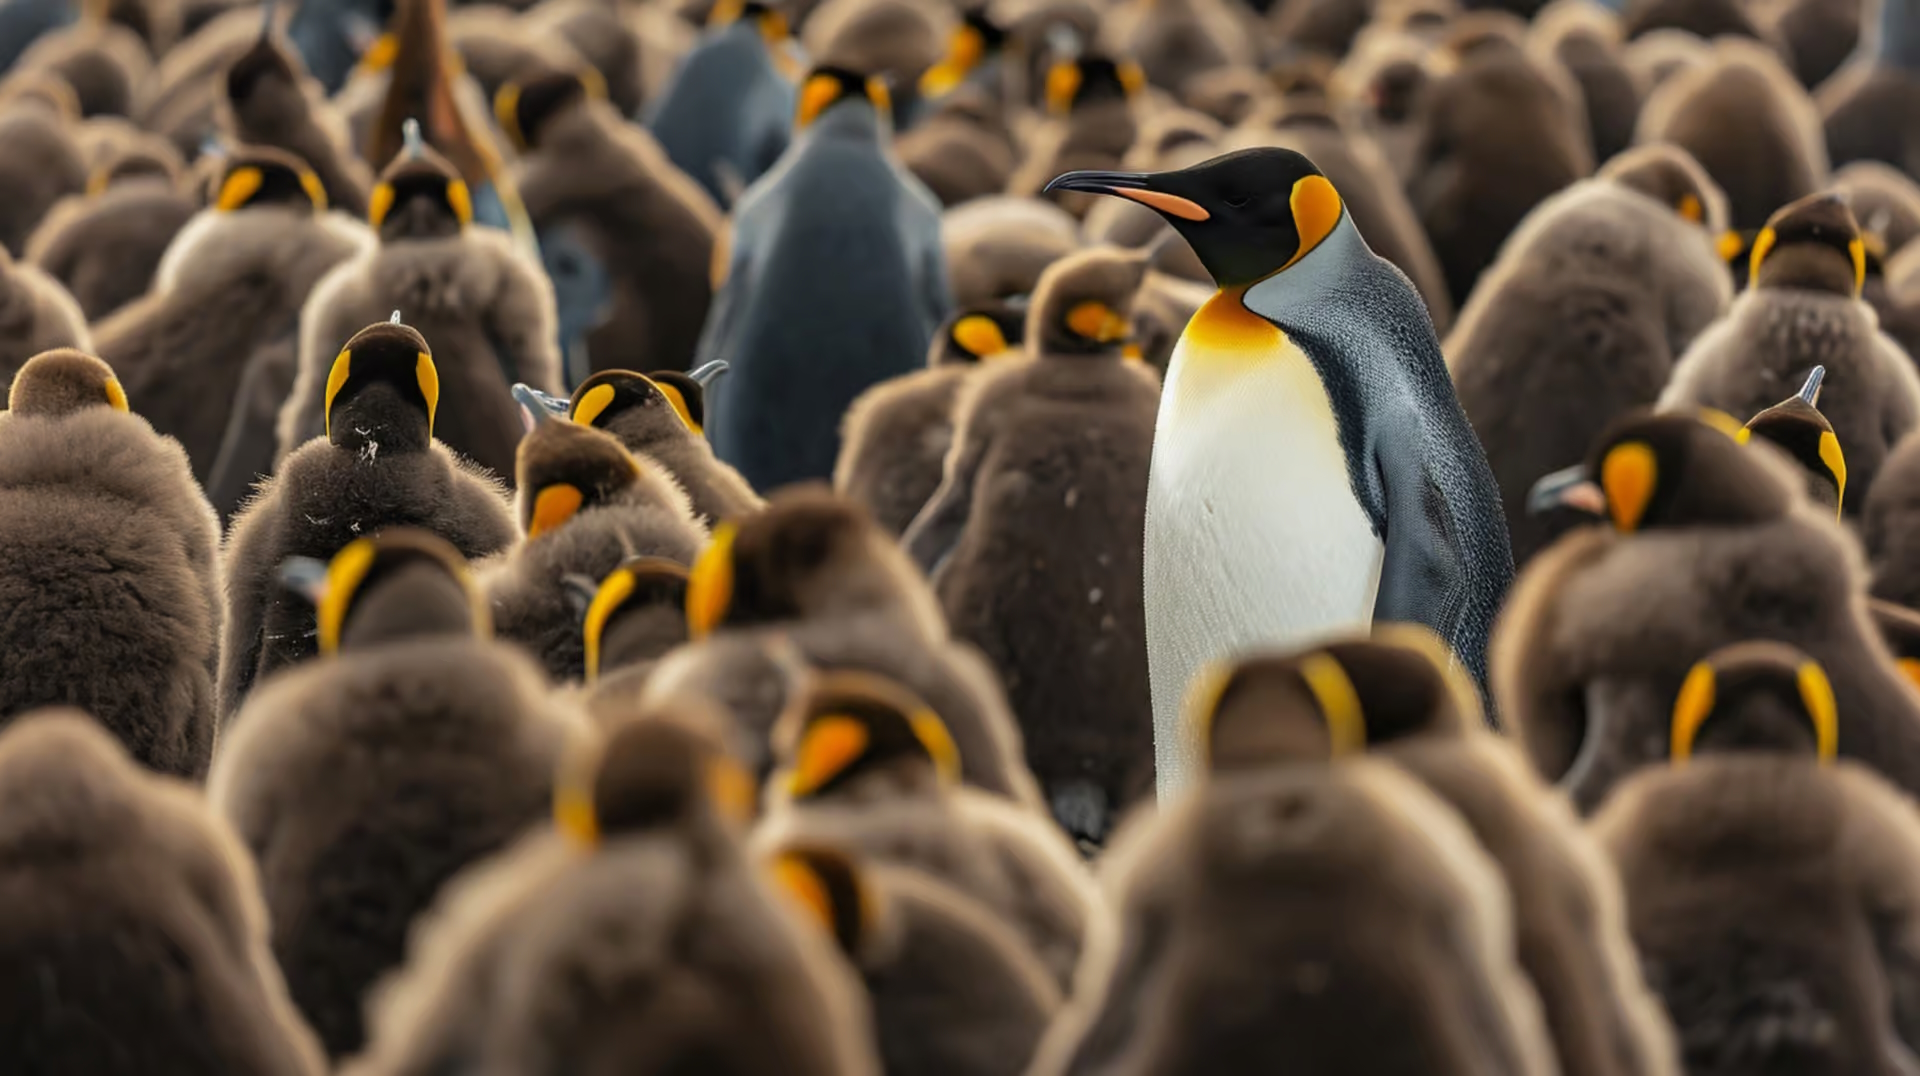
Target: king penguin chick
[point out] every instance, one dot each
(1770, 889)
(1887, 526)
(483, 305)
(43, 165)
(727, 113)
(1090, 102)
(365, 780)
(107, 66)
(1312, 469)
(134, 937)
(585, 505)
(963, 149)
(1597, 638)
(627, 239)
(835, 252)
(953, 988)
(1865, 107)
(378, 466)
(1050, 456)
(633, 618)
(816, 569)
(894, 439)
(269, 101)
(714, 971)
(997, 248)
(1581, 319)
(36, 314)
(1310, 919)
(106, 248)
(106, 566)
(1886, 202)
(1394, 697)
(660, 417)
(1585, 37)
(867, 766)
(1796, 426)
(1804, 310)
(221, 325)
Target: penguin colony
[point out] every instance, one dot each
(960, 538)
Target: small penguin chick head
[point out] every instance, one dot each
(1083, 304)
(1755, 696)
(401, 583)
(850, 729)
(62, 381)
(1248, 214)
(1089, 79)
(256, 177)
(1669, 175)
(563, 468)
(638, 583)
(1649, 471)
(971, 42)
(1798, 428)
(828, 85)
(524, 110)
(979, 332)
(382, 392)
(1813, 244)
(420, 195)
(830, 888)
(610, 394)
(658, 770)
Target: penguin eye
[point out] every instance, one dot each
(1239, 203)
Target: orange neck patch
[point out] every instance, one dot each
(1224, 323)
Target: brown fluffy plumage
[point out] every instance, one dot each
(107, 248)
(644, 418)
(43, 166)
(36, 314)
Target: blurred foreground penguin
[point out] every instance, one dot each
(835, 281)
(1868, 106)
(1311, 467)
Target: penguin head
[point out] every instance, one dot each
(1798, 428)
(828, 86)
(1083, 304)
(525, 109)
(849, 726)
(1090, 79)
(976, 39)
(768, 23)
(1669, 175)
(264, 83)
(1329, 701)
(1650, 471)
(1763, 696)
(62, 381)
(657, 770)
(257, 177)
(979, 332)
(1735, 247)
(611, 394)
(419, 195)
(563, 468)
(382, 392)
(1813, 244)
(831, 888)
(1248, 214)
(402, 583)
(639, 583)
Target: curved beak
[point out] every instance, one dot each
(1810, 392)
(304, 576)
(1568, 487)
(1134, 186)
(537, 407)
(709, 372)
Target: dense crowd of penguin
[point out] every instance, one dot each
(959, 538)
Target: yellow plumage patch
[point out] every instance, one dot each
(429, 378)
(380, 204)
(678, 402)
(1690, 710)
(1063, 82)
(461, 200)
(1098, 322)
(553, 507)
(1224, 323)
(1762, 246)
(819, 92)
(592, 402)
(345, 573)
(116, 396)
(831, 744)
(710, 584)
(239, 186)
(1836, 462)
(1628, 475)
(980, 335)
(614, 590)
(1816, 694)
(1316, 211)
(337, 380)
(1339, 704)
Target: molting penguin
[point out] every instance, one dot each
(660, 418)
(1311, 467)
(377, 467)
(836, 252)
(727, 113)
(1868, 105)
(365, 780)
(106, 566)
(36, 314)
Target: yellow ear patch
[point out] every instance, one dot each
(1729, 245)
(1725, 423)
(461, 200)
(678, 402)
(1816, 694)
(797, 879)
(1316, 210)
(592, 402)
(240, 185)
(380, 204)
(879, 95)
(732, 789)
(506, 111)
(933, 735)
(337, 380)
(710, 584)
(819, 92)
(1690, 710)
(965, 49)
(1910, 668)
(316, 190)
(1063, 82)
(429, 378)
(1098, 322)
(1857, 250)
(1339, 703)
(725, 12)
(573, 813)
(1132, 78)
(1690, 208)
(980, 335)
(381, 54)
(116, 396)
(1762, 246)
(345, 572)
(1628, 475)
(553, 507)
(614, 590)
(773, 28)
(830, 745)
(1836, 462)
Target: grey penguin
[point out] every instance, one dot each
(1796, 427)
(726, 114)
(105, 248)
(108, 567)
(1592, 301)
(364, 780)
(1321, 351)
(661, 417)
(775, 417)
(1803, 309)
(1050, 455)
(36, 314)
(1862, 107)
(134, 936)
(377, 466)
(43, 166)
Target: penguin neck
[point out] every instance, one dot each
(416, 602)
(852, 121)
(1899, 34)
(1305, 282)
(378, 419)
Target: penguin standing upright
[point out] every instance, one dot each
(727, 113)
(661, 418)
(1312, 469)
(1867, 107)
(1091, 124)
(835, 281)
(36, 314)
(43, 165)
(106, 248)
(1890, 525)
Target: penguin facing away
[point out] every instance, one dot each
(661, 417)
(1888, 525)
(1866, 107)
(727, 113)
(1796, 426)
(106, 249)
(1312, 469)
(36, 314)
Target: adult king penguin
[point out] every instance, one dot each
(1311, 468)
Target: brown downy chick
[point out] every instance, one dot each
(997, 248)
(1308, 919)
(376, 466)
(604, 38)
(714, 971)
(965, 148)
(1072, 432)
(1899, 628)
(1770, 889)
(894, 439)
(43, 165)
(953, 988)
(633, 618)
(36, 314)
(107, 566)
(660, 416)
(1599, 633)
(268, 100)
(1804, 310)
(134, 937)
(365, 780)
(105, 247)
(749, 678)
(1585, 37)
(1796, 426)
(815, 568)
(107, 66)
(1177, 41)
(1887, 527)
(1886, 202)
(585, 506)
(1090, 101)
(866, 765)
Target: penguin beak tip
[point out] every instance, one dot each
(1569, 488)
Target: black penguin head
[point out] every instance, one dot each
(982, 331)
(639, 583)
(1667, 470)
(831, 888)
(1083, 303)
(563, 468)
(828, 86)
(1089, 79)
(1247, 214)
(1755, 696)
(610, 394)
(383, 391)
(1801, 431)
(809, 551)
(524, 110)
(420, 195)
(1669, 175)
(62, 381)
(657, 770)
(398, 584)
(1813, 243)
(1330, 701)
(257, 176)
(847, 725)
(972, 43)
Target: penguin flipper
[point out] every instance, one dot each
(1420, 574)
(930, 538)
